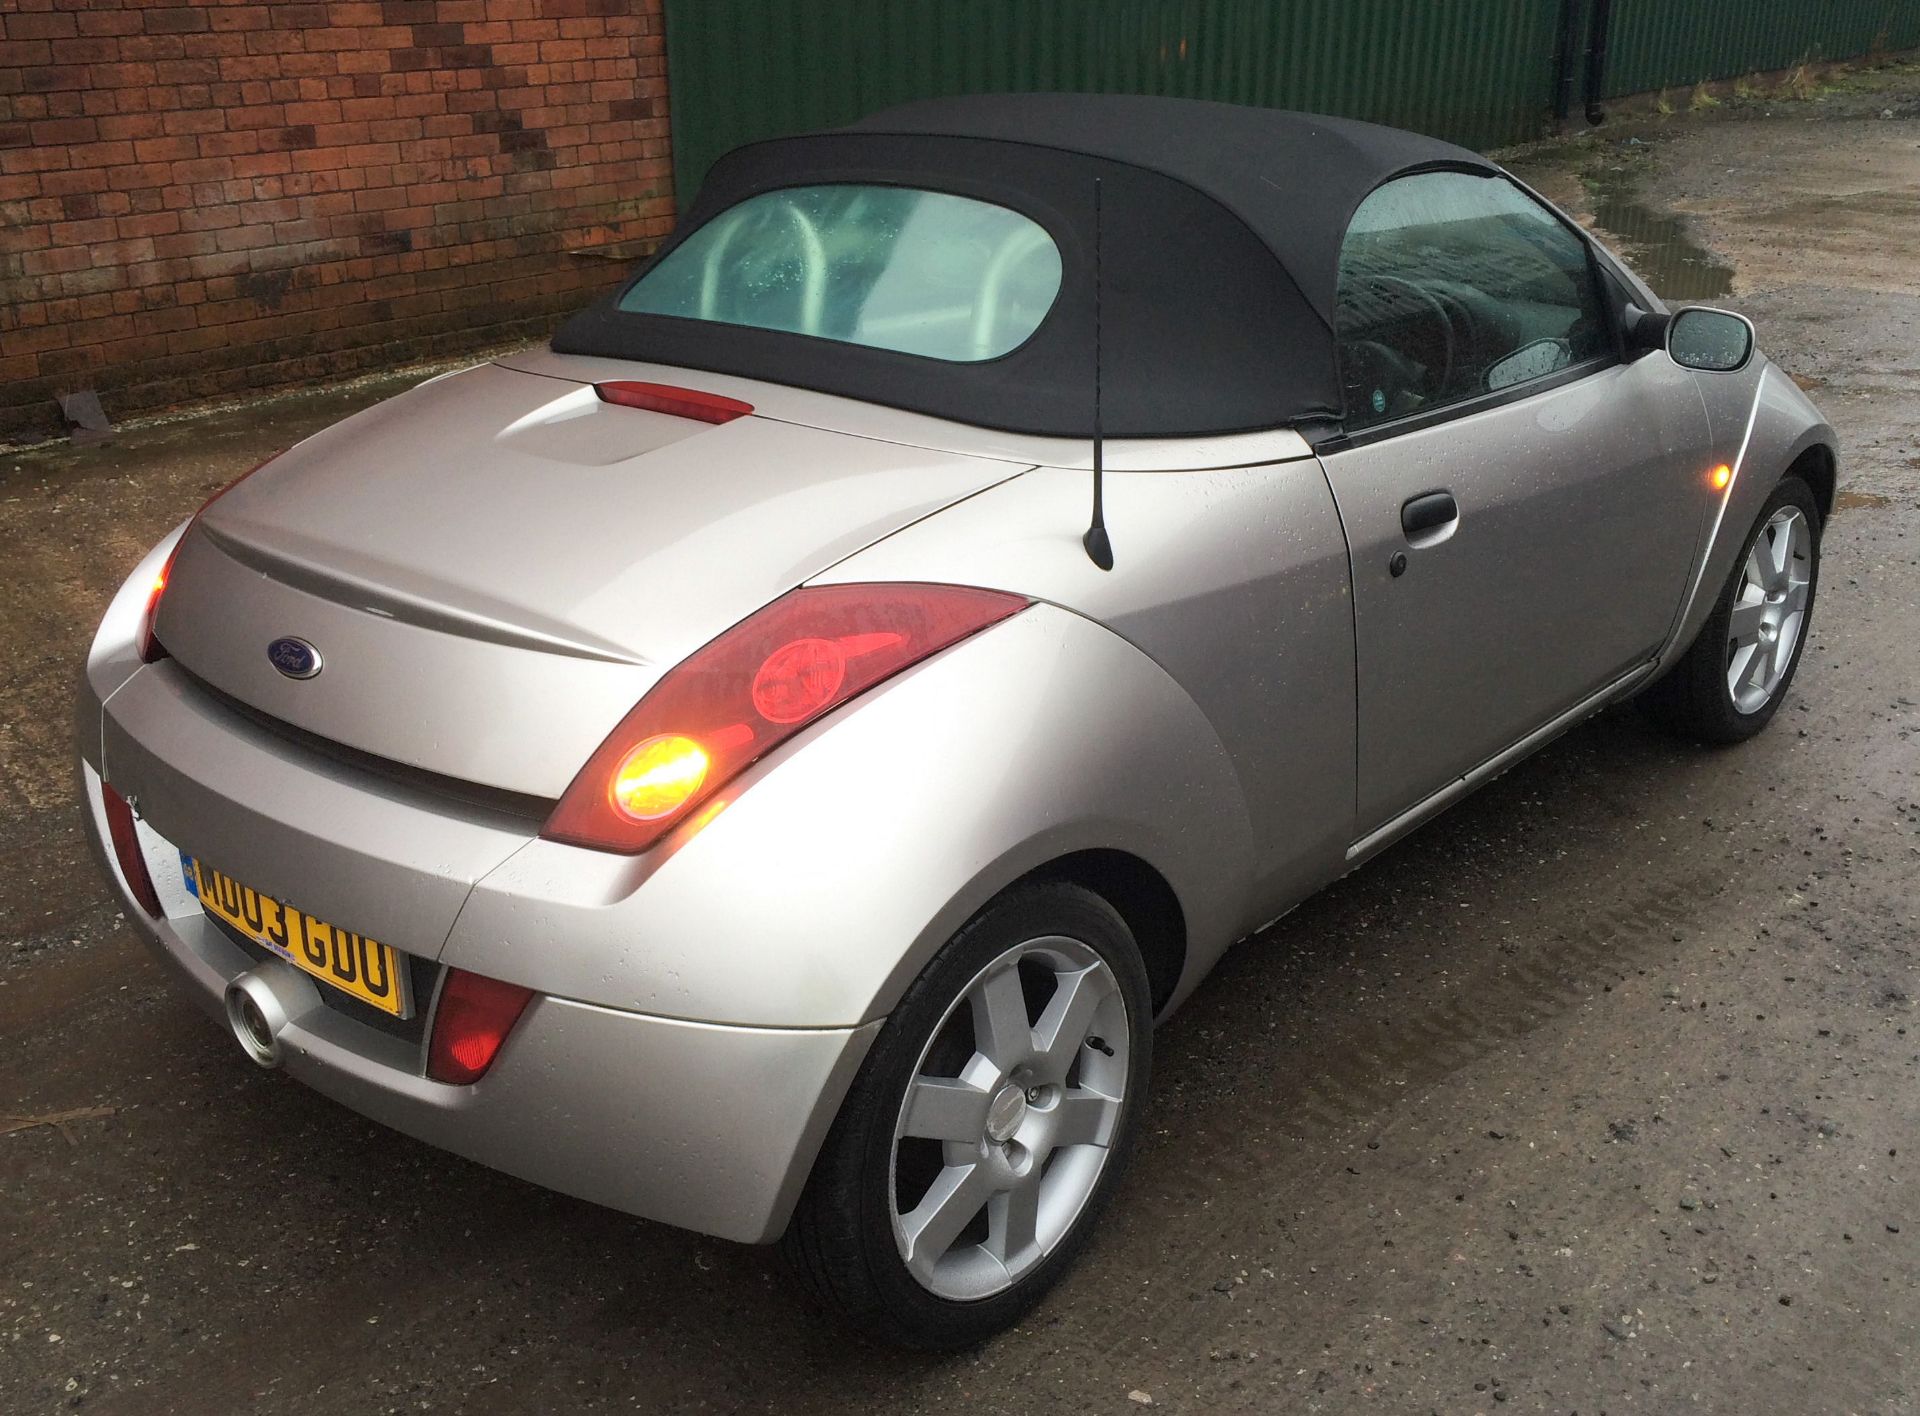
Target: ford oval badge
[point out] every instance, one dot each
(295, 658)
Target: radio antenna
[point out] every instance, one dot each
(1099, 547)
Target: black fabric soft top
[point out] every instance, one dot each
(1220, 248)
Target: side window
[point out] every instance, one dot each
(1453, 286)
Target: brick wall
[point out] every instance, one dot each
(202, 198)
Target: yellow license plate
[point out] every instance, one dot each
(374, 973)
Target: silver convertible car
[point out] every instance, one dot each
(766, 762)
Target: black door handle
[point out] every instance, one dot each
(1428, 512)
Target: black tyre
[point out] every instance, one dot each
(1732, 681)
(987, 1127)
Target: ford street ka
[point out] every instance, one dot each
(765, 761)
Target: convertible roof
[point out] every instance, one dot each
(1220, 243)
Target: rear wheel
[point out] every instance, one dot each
(1734, 678)
(987, 1127)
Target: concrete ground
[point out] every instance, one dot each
(1599, 1095)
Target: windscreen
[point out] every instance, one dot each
(894, 268)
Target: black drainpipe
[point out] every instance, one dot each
(1597, 59)
(1564, 60)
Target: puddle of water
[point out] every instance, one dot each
(1850, 501)
(1659, 248)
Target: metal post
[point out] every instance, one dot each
(1597, 59)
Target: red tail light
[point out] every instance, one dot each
(680, 402)
(148, 646)
(126, 850)
(750, 690)
(474, 1017)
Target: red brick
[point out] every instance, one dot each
(108, 22)
(47, 78)
(130, 125)
(165, 149)
(153, 47)
(123, 252)
(195, 122)
(243, 238)
(159, 223)
(31, 159)
(209, 169)
(133, 176)
(313, 113)
(221, 45)
(66, 103)
(123, 75)
(55, 334)
(60, 184)
(82, 233)
(304, 17)
(395, 130)
(186, 71)
(83, 51)
(238, 17)
(47, 26)
(177, 20)
(210, 218)
(228, 144)
(54, 260)
(183, 243)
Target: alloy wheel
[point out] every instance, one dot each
(1769, 609)
(1008, 1119)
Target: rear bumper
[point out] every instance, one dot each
(707, 1127)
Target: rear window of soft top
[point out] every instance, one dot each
(918, 272)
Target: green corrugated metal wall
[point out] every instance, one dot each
(1665, 43)
(1477, 71)
(742, 69)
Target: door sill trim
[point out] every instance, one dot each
(1425, 810)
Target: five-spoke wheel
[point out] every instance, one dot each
(1769, 608)
(1728, 685)
(986, 1127)
(1005, 1128)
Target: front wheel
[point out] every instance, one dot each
(1731, 682)
(987, 1126)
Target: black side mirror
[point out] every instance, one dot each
(1645, 331)
(1712, 341)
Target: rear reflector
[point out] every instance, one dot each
(680, 402)
(126, 850)
(474, 1017)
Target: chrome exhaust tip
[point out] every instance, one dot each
(257, 1017)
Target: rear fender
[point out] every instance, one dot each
(818, 886)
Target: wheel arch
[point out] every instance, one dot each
(1145, 900)
(1819, 468)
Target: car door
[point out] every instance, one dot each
(1521, 504)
